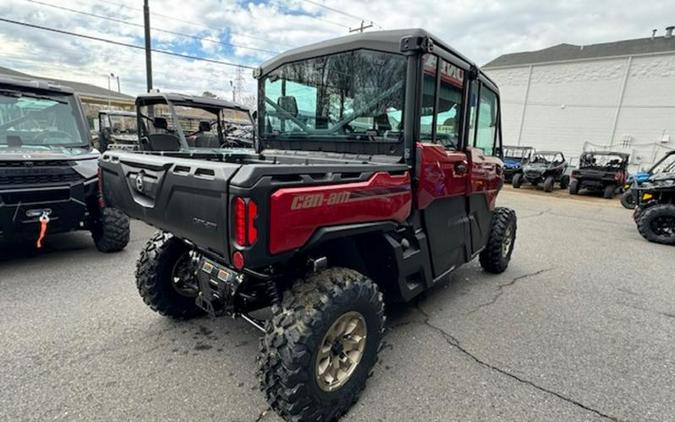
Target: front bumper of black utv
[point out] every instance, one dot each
(68, 206)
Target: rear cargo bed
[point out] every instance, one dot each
(186, 197)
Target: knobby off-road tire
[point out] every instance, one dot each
(111, 231)
(628, 200)
(548, 184)
(160, 262)
(517, 181)
(657, 224)
(609, 191)
(574, 187)
(289, 364)
(564, 182)
(496, 256)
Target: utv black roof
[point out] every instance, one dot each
(35, 85)
(387, 41)
(549, 152)
(620, 154)
(191, 100)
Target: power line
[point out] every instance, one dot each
(122, 44)
(124, 6)
(80, 12)
(340, 12)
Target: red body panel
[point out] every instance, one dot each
(486, 175)
(296, 213)
(439, 176)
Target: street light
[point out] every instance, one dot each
(116, 78)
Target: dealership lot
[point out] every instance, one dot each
(580, 327)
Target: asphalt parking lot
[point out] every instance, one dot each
(580, 327)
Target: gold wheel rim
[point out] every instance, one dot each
(340, 351)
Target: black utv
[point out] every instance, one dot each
(117, 130)
(515, 157)
(664, 165)
(547, 167)
(49, 170)
(655, 212)
(178, 122)
(600, 172)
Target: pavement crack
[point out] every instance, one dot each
(652, 311)
(539, 214)
(454, 342)
(501, 287)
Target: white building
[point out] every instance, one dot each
(618, 95)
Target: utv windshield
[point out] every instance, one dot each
(543, 158)
(517, 152)
(120, 124)
(201, 127)
(613, 161)
(667, 165)
(352, 96)
(31, 119)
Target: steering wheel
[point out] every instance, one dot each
(50, 134)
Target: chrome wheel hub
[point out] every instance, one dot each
(340, 351)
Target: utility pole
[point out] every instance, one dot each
(238, 84)
(361, 27)
(148, 45)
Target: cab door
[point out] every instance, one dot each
(484, 157)
(443, 166)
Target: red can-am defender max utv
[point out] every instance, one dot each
(376, 175)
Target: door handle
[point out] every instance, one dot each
(461, 168)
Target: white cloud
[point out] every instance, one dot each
(481, 30)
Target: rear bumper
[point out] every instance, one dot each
(68, 206)
(598, 184)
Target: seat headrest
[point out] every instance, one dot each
(204, 126)
(289, 104)
(160, 123)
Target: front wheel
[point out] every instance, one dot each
(564, 182)
(609, 192)
(628, 200)
(111, 230)
(517, 181)
(321, 345)
(657, 224)
(496, 256)
(574, 187)
(548, 184)
(165, 277)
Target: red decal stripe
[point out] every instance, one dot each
(296, 213)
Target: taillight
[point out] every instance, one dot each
(245, 213)
(252, 234)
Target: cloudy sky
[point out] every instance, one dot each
(248, 32)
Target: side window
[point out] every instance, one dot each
(473, 112)
(487, 121)
(449, 105)
(428, 97)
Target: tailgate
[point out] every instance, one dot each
(186, 197)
